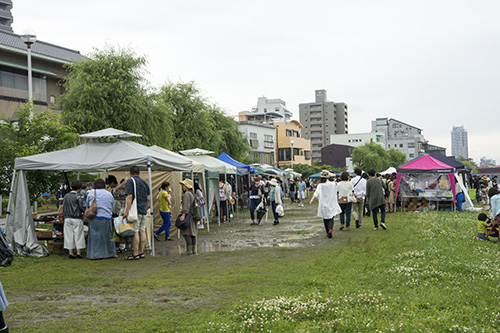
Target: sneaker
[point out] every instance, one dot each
(347, 228)
(329, 234)
(201, 226)
(376, 228)
(71, 256)
(79, 256)
(360, 226)
(156, 237)
(276, 222)
(169, 239)
(341, 227)
(357, 224)
(382, 224)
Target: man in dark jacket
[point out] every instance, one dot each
(376, 198)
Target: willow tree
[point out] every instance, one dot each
(374, 156)
(108, 89)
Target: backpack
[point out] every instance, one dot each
(196, 210)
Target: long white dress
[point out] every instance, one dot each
(328, 206)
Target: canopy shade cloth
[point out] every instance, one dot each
(228, 159)
(195, 151)
(425, 164)
(109, 133)
(450, 161)
(214, 163)
(103, 156)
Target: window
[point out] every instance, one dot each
(400, 145)
(307, 154)
(411, 144)
(411, 155)
(269, 138)
(265, 109)
(277, 109)
(284, 154)
(253, 135)
(296, 134)
(288, 132)
(52, 99)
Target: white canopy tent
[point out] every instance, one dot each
(88, 157)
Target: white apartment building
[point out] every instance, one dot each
(399, 135)
(268, 111)
(358, 139)
(261, 139)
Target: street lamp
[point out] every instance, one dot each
(291, 147)
(29, 37)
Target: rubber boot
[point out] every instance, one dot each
(189, 250)
(193, 250)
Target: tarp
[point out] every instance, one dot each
(20, 227)
(109, 133)
(389, 171)
(425, 164)
(214, 163)
(450, 161)
(228, 159)
(103, 156)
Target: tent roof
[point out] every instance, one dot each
(214, 163)
(450, 161)
(425, 163)
(228, 159)
(195, 151)
(96, 156)
(389, 170)
(197, 166)
(109, 133)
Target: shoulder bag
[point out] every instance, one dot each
(132, 213)
(91, 210)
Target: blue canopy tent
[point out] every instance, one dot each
(229, 160)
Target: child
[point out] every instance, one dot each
(483, 223)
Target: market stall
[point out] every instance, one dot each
(426, 184)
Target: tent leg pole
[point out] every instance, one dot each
(151, 211)
(237, 198)
(227, 199)
(7, 213)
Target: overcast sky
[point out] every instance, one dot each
(432, 64)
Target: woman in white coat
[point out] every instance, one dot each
(328, 206)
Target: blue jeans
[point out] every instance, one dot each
(346, 209)
(165, 226)
(460, 197)
(253, 204)
(382, 215)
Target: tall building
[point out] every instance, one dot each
(267, 111)
(320, 119)
(459, 142)
(6, 18)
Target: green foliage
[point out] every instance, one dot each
(374, 156)
(197, 124)
(33, 133)
(107, 90)
(469, 162)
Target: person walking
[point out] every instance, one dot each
(391, 199)
(292, 188)
(137, 188)
(275, 195)
(301, 186)
(256, 197)
(344, 189)
(72, 213)
(100, 245)
(359, 188)
(328, 206)
(223, 201)
(165, 213)
(376, 198)
(187, 202)
(3, 305)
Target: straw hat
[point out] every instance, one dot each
(325, 174)
(273, 182)
(188, 183)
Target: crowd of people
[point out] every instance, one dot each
(488, 193)
(364, 194)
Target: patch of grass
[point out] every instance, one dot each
(425, 273)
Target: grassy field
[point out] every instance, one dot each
(425, 273)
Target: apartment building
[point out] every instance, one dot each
(321, 119)
(288, 139)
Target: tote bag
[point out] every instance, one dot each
(132, 213)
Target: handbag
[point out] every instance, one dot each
(200, 198)
(280, 211)
(183, 225)
(351, 198)
(132, 213)
(126, 230)
(91, 210)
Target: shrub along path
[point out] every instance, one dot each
(425, 273)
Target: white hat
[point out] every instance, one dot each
(273, 182)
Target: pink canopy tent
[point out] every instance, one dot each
(426, 164)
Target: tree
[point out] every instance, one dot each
(197, 124)
(33, 133)
(107, 90)
(308, 170)
(469, 162)
(374, 156)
